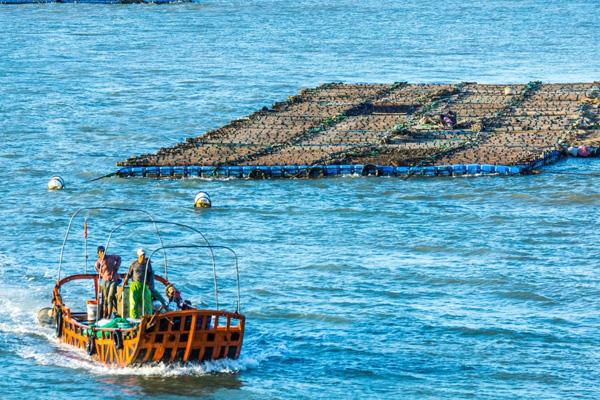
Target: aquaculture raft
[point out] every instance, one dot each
(398, 129)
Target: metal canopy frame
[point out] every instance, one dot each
(162, 246)
(62, 249)
(210, 247)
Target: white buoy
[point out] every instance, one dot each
(56, 183)
(510, 91)
(202, 200)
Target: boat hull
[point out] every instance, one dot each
(192, 335)
(172, 337)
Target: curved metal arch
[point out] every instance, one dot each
(197, 246)
(155, 222)
(62, 249)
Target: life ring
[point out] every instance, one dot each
(91, 344)
(117, 337)
(58, 324)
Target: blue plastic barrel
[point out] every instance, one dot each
(514, 170)
(166, 171)
(501, 169)
(179, 172)
(235, 171)
(265, 170)
(358, 169)
(473, 169)
(152, 172)
(290, 171)
(429, 171)
(415, 170)
(208, 171)
(332, 170)
(346, 169)
(193, 170)
(487, 169)
(401, 170)
(458, 169)
(303, 170)
(444, 170)
(124, 171)
(276, 171)
(247, 170)
(138, 171)
(221, 172)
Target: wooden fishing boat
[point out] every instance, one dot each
(180, 335)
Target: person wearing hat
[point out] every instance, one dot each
(107, 266)
(140, 294)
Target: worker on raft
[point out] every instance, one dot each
(107, 266)
(141, 295)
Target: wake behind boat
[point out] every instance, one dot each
(175, 331)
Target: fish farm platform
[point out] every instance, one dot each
(393, 129)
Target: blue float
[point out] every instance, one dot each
(402, 170)
(473, 169)
(458, 169)
(501, 169)
(194, 171)
(276, 171)
(514, 170)
(247, 170)
(293, 171)
(179, 172)
(166, 171)
(138, 171)
(358, 169)
(331, 170)
(346, 169)
(235, 172)
(415, 170)
(444, 170)
(487, 169)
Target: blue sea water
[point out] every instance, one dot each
(354, 287)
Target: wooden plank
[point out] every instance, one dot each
(188, 347)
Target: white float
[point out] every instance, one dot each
(56, 183)
(202, 200)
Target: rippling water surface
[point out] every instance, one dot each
(352, 287)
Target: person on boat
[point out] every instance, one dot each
(140, 295)
(107, 266)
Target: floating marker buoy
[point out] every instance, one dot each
(202, 200)
(56, 183)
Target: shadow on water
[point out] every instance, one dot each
(185, 386)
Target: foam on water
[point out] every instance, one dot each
(28, 339)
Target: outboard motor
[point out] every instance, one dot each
(46, 316)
